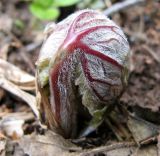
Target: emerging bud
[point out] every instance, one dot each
(86, 55)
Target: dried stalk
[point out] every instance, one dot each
(121, 6)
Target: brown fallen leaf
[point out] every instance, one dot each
(43, 145)
(52, 144)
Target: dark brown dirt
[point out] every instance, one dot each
(142, 26)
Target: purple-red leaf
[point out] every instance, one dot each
(86, 55)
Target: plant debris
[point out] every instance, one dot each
(132, 128)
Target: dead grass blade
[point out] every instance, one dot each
(28, 98)
(22, 79)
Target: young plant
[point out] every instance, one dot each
(85, 56)
(49, 9)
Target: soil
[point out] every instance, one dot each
(21, 35)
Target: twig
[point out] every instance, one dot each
(121, 6)
(116, 132)
(31, 47)
(152, 53)
(109, 148)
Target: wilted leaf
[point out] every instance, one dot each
(147, 151)
(141, 129)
